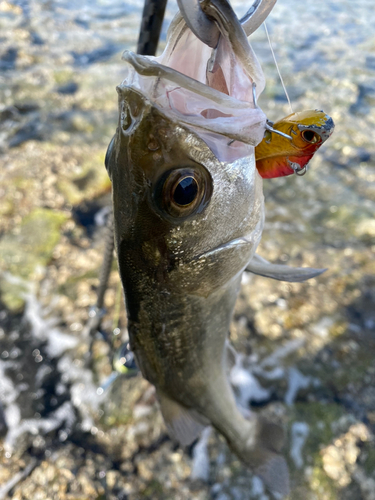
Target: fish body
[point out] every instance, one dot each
(188, 216)
(181, 265)
(277, 156)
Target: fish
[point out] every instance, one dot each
(181, 259)
(188, 211)
(277, 156)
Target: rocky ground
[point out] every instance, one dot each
(307, 350)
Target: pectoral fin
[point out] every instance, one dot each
(259, 265)
(183, 425)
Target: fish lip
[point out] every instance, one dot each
(234, 243)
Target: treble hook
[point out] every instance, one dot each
(298, 170)
(205, 28)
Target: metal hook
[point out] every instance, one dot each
(207, 30)
(296, 168)
(271, 129)
(255, 99)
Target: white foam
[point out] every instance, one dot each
(296, 381)
(201, 461)
(248, 387)
(299, 433)
(282, 352)
(35, 426)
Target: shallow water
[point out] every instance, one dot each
(308, 349)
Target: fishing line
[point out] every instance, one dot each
(277, 66)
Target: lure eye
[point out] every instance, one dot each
(310, 136)
(183, 191)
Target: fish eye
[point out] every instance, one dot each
(310, 136)
(183, 191)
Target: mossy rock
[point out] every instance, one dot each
(30, 246)
(321, 419)
(89, 183)
(12, 294)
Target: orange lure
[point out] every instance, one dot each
(277, 156)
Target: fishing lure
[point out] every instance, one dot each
(277, 156)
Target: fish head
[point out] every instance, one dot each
(278, 156)
(183, 219)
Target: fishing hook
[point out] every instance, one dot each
(271, 129)
(207, 30)
(297, 169)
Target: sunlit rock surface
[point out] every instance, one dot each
(307, 350)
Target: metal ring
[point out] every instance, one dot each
(200, 24)
(207, 30)
(256, 15)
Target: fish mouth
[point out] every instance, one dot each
(250, 239)
(242, 243)
(217, 103)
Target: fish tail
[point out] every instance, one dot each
(261, 452)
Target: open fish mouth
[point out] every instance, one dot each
(209, 91)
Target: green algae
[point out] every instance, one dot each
(369, 462)
(33, 243)
(91, 181)
(26, 249)
(321, 484)
(153, 488)
(321, 419)
(69, 287)
(12, 295)
(63, 75)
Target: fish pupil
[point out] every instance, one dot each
(186, 191)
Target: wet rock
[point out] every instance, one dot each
(97, 55)
(340, 458)
(68, 89)
(92, 213)
(27, 107)
(33, 131)
(365, 99)
(9, 113)
(8, 60)
(36, 39)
